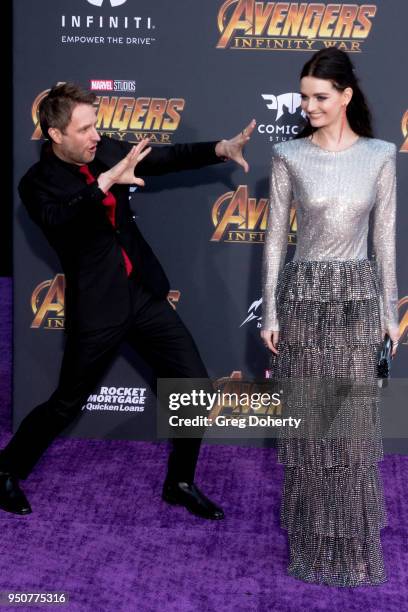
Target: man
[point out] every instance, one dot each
(115, 287)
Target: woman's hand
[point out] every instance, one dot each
(270, 340)
(394, 335)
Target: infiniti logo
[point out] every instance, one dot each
(112, 2)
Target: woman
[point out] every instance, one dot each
(325, 315)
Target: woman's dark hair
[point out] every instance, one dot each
(55, 110)
(334, 65)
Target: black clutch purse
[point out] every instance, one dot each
(384, 358)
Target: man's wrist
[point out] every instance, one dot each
(221, 150)
(105, 181)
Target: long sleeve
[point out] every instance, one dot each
(384, 230)
(50, 211)
(163, 159)
(276, 240)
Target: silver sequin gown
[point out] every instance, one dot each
(331, 305)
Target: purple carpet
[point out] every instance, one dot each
(100, 532)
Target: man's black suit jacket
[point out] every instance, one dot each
(75, 222)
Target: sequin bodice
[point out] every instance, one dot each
(334, 194)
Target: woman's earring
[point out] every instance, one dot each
(343, 122)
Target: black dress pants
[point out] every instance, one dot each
(157, 333)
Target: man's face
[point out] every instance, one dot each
(77, 143)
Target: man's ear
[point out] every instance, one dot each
(55, 135)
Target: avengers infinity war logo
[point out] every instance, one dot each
(47, 304)
(403, 325)
(233, 390)
(129, 118)
(404, 130)
(239, 218)
(294, 26)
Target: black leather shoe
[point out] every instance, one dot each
(190, 496)
(12, 499)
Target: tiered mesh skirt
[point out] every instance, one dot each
(333, 503)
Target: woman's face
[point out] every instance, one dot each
(321, 102)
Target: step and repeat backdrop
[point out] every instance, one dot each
(182, 71)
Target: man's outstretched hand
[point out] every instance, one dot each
(123, 173)
(233, 148)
